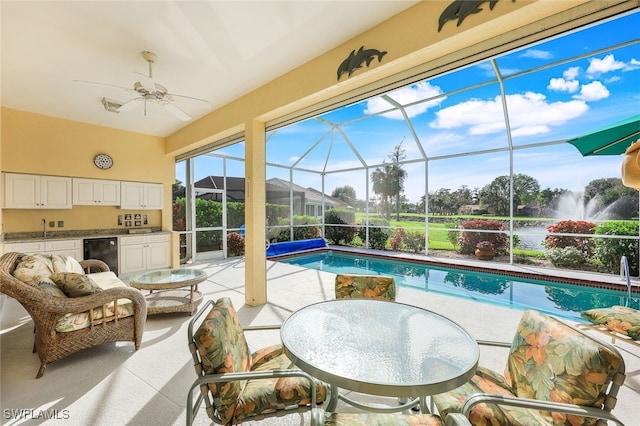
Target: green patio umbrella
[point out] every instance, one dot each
(611, 140)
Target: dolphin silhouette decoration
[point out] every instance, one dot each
(460, 9)
(356, 59)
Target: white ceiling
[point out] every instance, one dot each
(215, 50)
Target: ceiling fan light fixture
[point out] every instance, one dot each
(111, 105)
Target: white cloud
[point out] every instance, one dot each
(571, 73)
(593, 92)
(604, 65)
(537, 54)
(529, 113)
(562, 85)
(405, 96)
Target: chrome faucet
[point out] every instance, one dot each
(43, 222)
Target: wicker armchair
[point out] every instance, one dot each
(46, 310)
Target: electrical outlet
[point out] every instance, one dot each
(52, 224)
(61, 224)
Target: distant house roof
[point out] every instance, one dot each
(312, 196)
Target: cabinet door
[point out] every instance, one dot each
(55, 192)
(158, 255)
(131, 195)
(153, 196)
(132, 258)
(21, 191)
(84, 192)
(109, 193)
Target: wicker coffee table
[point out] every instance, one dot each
(170, 290)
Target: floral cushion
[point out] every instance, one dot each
(73, 284)
(375, 419)
(620, 319)
(365, 286)
(63, 263)
(548, 361)
(223, 349)
(268, 395)
(105, 281)
(35, 271)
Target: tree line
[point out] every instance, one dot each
(603, 195)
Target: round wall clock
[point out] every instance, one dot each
(103, 161)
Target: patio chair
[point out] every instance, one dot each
(365, 286)
(237, 385)
(618, 322)
(555, 375)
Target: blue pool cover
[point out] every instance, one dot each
(286, 247)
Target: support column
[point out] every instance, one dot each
(255, 275)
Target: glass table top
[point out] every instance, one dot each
(182, 276)
(380, 347)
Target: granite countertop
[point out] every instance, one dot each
(22, 237)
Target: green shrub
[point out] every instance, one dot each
(343, 233)
(300, 232)
(565, 257)
(378, 235)
(453, 235)
(584, 244)
(415, 241)
(609, 250)
(470, 239)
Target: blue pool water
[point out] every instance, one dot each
(563, 300)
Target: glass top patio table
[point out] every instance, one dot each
(380, 347)
(168, 278)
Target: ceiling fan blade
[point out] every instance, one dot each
(131, 104)
(176, 111)
(127, 89)
(203, 102)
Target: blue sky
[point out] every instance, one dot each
(555, 103)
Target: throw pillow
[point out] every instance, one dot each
(64, 263)
(74, 285)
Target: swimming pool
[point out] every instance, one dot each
(560, 299)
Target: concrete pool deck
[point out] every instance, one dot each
(113, 384)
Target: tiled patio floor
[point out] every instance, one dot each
(113, 384)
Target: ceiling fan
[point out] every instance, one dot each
(148, 91)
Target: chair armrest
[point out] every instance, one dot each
(558, 407)
(91, 264)
(261, 327)
(73, 305)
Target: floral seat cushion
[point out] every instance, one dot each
(365, 286)
(620, 319)
(223, 348)
(548, 361)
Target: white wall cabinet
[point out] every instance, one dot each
(96, 192)
(71, 248)
(139, 253)
(140, 195)
(37, 192)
